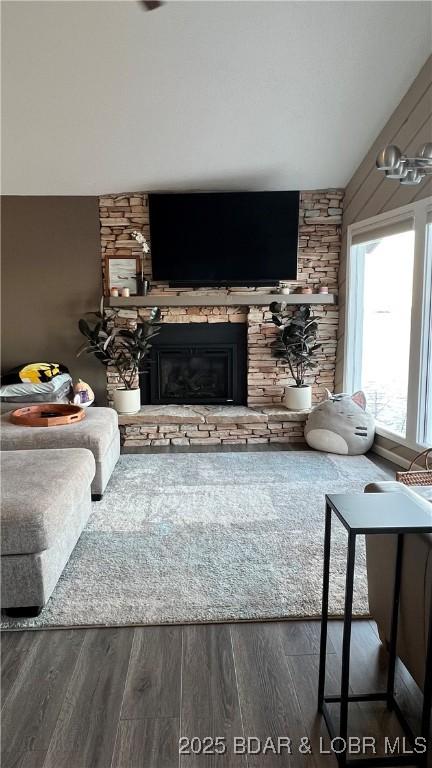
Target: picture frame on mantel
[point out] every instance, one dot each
(121, 272)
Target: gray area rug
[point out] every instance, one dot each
(192, 537)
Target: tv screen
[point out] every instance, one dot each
(224, 238)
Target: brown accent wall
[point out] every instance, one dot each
(50, 277)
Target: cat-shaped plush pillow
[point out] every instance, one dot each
(341, 424)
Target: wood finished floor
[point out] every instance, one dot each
(122, 697)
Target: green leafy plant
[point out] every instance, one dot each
(296, 342)
(124, 349)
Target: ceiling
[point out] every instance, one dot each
(103, 97)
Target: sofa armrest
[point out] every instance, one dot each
(415, 589)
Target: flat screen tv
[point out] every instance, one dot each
(224, 238)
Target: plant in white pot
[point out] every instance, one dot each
(296, 344)
(126, 350)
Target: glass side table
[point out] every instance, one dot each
(372, 514)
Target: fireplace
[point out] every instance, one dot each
(195, 363)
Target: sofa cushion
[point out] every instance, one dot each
(425, 491)
(95, 432)
(422, 494)
(39, 491)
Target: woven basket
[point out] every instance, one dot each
(418, 476)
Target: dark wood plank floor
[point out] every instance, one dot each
(122, 698)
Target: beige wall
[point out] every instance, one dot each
(50, 276)
(369, 193)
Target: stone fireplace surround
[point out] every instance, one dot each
(265, 419)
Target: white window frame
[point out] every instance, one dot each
(421, 318)
(425, 414)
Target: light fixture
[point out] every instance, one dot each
(398, 172)
(408, 170)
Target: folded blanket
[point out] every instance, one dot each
(43, 392)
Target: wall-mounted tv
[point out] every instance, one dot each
(224, 238)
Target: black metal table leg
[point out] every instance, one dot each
(346, 646)
(395, 621)
(324, 612)
(404, 516)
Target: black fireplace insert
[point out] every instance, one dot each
(202, 363)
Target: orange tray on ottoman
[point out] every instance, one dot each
(47, 415)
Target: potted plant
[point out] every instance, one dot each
(296, 344)
(126, 350)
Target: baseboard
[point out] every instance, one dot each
(391, 456)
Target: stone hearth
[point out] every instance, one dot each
(211, 425)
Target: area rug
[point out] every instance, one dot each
(210, 537)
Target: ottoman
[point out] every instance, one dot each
(98, 432)
(45, 504)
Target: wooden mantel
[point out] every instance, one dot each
(195, 299)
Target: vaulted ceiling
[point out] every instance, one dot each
(105, 97)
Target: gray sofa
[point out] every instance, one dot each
(416, 583)
(98, 432)
(45, 504)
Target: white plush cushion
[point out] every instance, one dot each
(340, 425)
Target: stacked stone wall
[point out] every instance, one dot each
(319, 245)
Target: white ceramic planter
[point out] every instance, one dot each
(298, 398)
(127, 400)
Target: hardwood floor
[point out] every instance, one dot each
(123, 697)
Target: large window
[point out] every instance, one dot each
(388, 325)
(428, 338)
(384, 276)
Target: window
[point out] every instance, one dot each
(384, 288)
(389, 315)
(428, 339)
